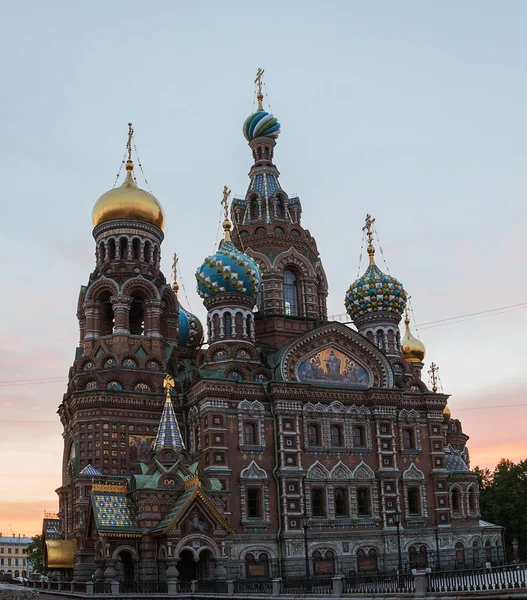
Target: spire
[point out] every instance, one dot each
(433, 376)
(129, 163)
(168, 435)
(258, 83)
(369, 234)
(175, 285)
(226, 223)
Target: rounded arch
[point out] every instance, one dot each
(323, 547)
(124, 548)
(140, 284)
(102, 285)
(290, 259)
(263, 262)
(185, 543)
(257, 549)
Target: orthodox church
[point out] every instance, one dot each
(281, 434)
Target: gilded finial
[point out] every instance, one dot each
(369, 234)
(226, 223)
(258, 83)
(169, 385)
(129, 163)
(433, 376)
(175, 285)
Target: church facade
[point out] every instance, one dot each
(284, 433)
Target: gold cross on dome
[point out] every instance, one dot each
(225, 201)
(368, 228)
(258, 80)
(433, 376)
(175, 286)
(129, 142)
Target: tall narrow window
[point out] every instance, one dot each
(471, 500)
(336, 435)
(363, 502)
(341, 504)
(413, 501)
(455, 500)
(290, 294)
(317, 502)
(408, 439)
(255, 208)
(313, 435)
(358, 437)
(253, 503)
(250, 434)
(228, 324)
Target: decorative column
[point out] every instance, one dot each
(91, 312)
(121, 310)
(153, 312)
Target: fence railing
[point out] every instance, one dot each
(322, 584)
(253, 586)
(497, 578)
(379, 584)
(213, 586)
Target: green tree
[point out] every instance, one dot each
(503, 499)
(34, 554)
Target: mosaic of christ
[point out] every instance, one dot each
(332, 366)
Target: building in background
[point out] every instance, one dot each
(285, 433)
(13, 555)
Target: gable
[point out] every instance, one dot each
(333, 354)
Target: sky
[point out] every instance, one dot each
(411, 111)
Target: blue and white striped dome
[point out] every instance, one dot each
(261, 124)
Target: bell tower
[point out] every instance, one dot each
(129, 327)
(268, 227)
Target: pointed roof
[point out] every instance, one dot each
(168, 434)
(90, 470)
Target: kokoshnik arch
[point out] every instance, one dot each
(205, 457)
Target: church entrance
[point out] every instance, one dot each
(187, 566)
(127, 565)
(205, 566)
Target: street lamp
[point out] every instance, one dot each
(396, 517)
(305, 525)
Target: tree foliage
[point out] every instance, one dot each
(34, 554)
(503, 499)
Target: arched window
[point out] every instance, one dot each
(249, 434)
(380, 339)
(111, 249)
(227, 320)
(363, 502)
(137, 317)
(102, 252)
(367, 563)
(136, 247)
(358, 437)
(106, 316)
(313, 433)
(391, 341)
(475, 555)
(418, 557)
(123, 248)
(336, 435)
(341, 502)
(455, 500)
(488, 551)
(254, 503)
(255, 208)
(460, 556)
(471, 500)
(256, 568)
(317, 502)
(148, 251)
(156, 256)
(280, 208)
(291, 294)
(408, 439)
(266, 153)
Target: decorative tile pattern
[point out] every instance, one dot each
(229, 270)
(168, 434)
(90, 470)
(190, 329)
(112, 513)
(375, 292)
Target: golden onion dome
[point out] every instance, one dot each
(128, 202)
(413, 349)
(446, 414)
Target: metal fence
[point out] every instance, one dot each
(379, 584)
(253, 586)
(499, 578)
(308, 585)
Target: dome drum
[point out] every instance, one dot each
(128, 227)
(232, 299)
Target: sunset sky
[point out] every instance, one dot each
(411, 111)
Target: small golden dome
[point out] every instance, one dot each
(128, 202)
(413, 349)
(446, 414)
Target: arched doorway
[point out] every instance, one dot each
(187, 566)
(205, 566)
(127, 569)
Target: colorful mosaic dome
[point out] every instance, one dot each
(261, 124)
(229, 270)
(375, 292)
(190, 329)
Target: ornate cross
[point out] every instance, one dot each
(169, 385)
(433, 376)
(129, 142)
(175, 286)
(225, 201)
(258, 80)
(368, 228)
